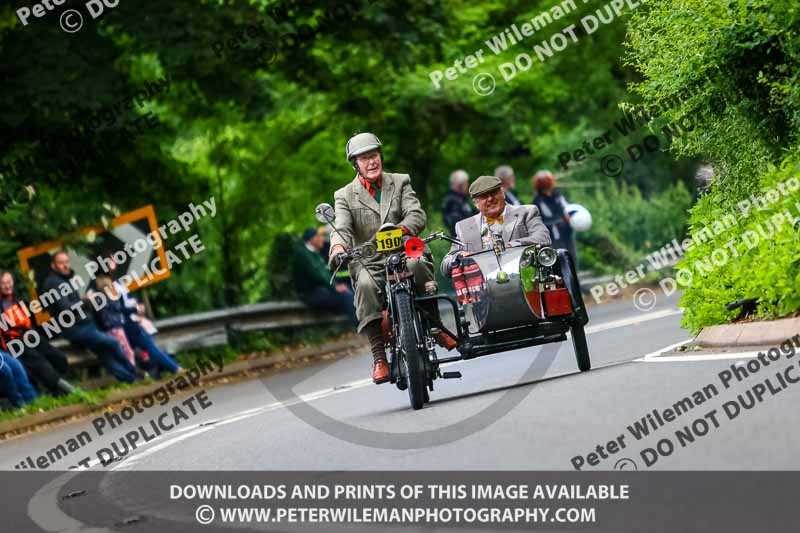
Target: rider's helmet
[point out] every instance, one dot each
(544, 179)
(361, 143)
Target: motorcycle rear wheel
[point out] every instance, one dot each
(410, 356)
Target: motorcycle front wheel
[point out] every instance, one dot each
(411, 358)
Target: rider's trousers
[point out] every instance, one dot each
(369, 301)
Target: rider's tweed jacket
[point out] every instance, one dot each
(359, 216)
(522, 226)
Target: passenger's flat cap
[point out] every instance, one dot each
(483, 185)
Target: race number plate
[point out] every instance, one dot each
(389, 241)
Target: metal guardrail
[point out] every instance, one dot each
(214, 328)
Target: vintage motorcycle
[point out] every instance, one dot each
(506, 299)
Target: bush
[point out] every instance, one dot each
(626, 225)
(767, 266)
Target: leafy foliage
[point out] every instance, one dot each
(742, 59)
(261, 124)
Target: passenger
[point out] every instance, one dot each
(516, 225)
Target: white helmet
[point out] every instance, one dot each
(579, 217)
(361, 143)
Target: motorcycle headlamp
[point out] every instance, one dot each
(368, 250)
(547, 256)
(395, 259)
(527, 257)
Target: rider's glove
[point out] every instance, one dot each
(337, 261)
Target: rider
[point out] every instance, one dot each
(373, 198)
(518, 225)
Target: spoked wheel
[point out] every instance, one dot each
(411, 358)
(581, 348)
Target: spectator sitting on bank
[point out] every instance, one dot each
(508, 181)
(553, 208)
(83, 332)
(111, 317)
(456, 206)
(44, 363)
(14, 384)
(312, 279)
(136, 326)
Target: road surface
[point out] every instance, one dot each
(497, 417)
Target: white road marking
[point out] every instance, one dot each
(146, 450)
(658, 352)
(704, 357)
(636, 319)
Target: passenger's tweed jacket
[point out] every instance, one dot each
(522, 225)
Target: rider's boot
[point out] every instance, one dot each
(380, 367)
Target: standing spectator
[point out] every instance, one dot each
(508, 181)
(44, 363)
(14, 382)
(456, 206)
(553, 208)
(136, 327)
(312, 279)
(84, 332)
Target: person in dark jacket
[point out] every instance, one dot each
(83, 332)
(509, 181)
(553, 208)
(312, 279)
(111, 317)
(44, 363)
(132, 313)
(456, 206)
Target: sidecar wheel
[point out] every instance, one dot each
(581, 348)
